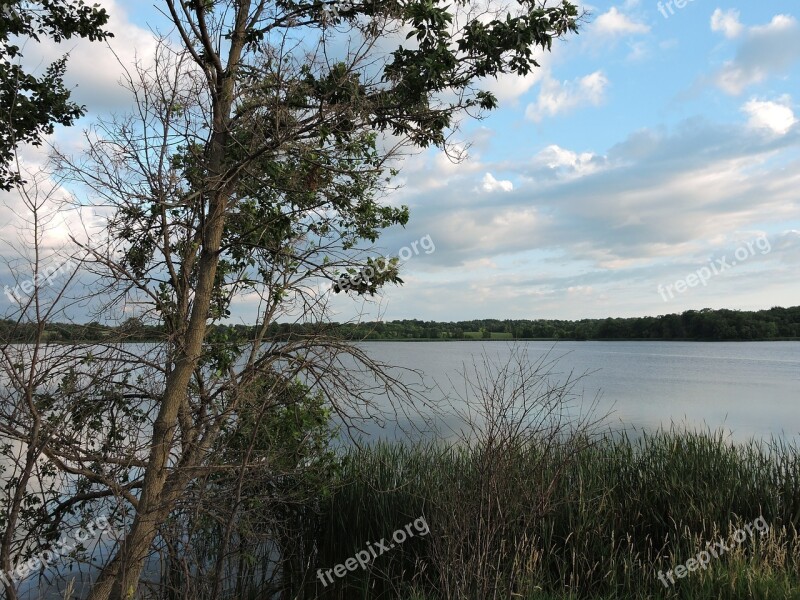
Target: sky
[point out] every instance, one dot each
(650, 166)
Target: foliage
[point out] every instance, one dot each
(31, 105)
(280, 439)
(703, 325)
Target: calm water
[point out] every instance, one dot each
(745, 388)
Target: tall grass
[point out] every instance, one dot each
(622, 510)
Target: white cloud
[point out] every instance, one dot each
(557, 158)
(94, 69)
(727, 22)
(733, 80)
(59, 219)
(778, 23)
(639, 52)
(616, 24)
(471, 234)
(613, 223)
(490, 184)
(775, 116)
(646, 198)
(508, 87)
(766, 51)
(558, 97)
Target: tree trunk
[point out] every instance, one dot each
(119, 580)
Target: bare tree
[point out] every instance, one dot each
(48, 424)
(520, 426)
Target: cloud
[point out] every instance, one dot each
(727, 23)
(616, 24)
(639, 52)
(563, 162)
(647, 199)
(593, 233)
(490, 184)
(775, 116)
(508, 87)
(94, 69)
(558, 97)
(765, 51)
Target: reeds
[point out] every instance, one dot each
(622, 510)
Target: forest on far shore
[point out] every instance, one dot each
(703, 325)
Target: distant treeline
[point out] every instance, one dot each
(706, 324)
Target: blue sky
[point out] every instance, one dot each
(646, 152)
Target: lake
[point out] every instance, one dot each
(748, 389)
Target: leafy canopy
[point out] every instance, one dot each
(31, 105)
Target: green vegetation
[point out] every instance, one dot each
(488, 335)
(32, 103)
(255, 161)
(281, 439)
(621, 510)
(707, 324)
(596, 519)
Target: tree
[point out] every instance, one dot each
(29, 105)
(254, 166)
(42, 399)
(284, 427)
